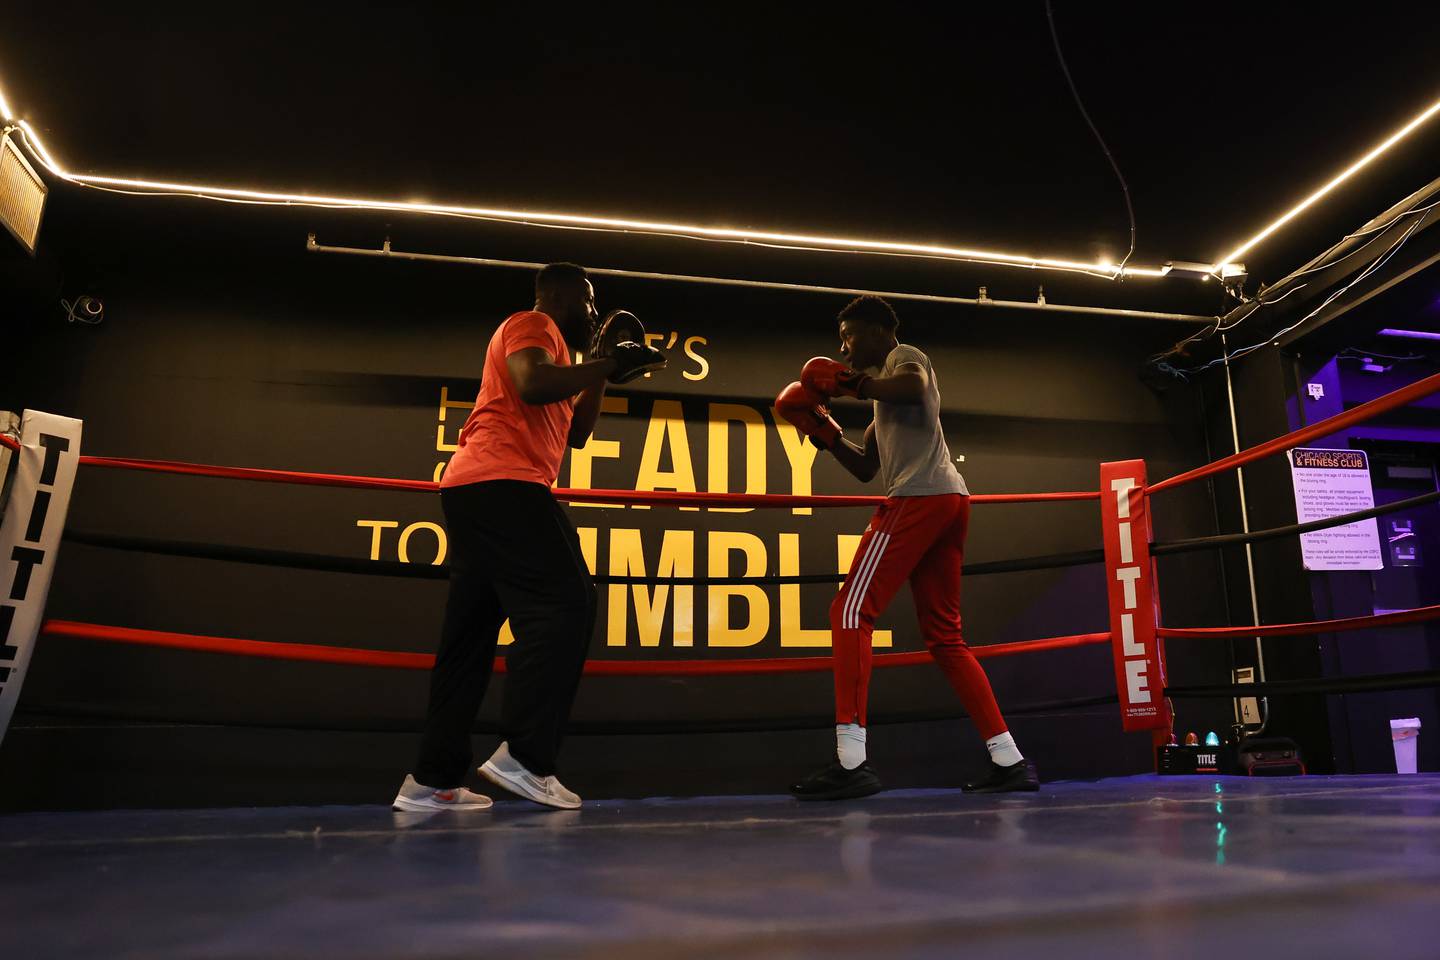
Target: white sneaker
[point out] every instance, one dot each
(505, 771)
(418, 798)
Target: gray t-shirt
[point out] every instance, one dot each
(915, 461)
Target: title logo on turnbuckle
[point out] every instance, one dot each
(1130, 590)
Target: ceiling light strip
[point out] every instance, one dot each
(817, 242)
(1349, 172)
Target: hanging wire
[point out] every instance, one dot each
(1124, 187)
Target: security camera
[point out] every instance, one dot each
(83, 310)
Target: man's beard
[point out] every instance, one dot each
(576, 331)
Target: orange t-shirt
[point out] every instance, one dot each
(505, 438)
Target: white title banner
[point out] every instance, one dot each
(29, 537)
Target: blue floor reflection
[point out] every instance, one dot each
(1142, 866)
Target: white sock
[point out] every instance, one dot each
(1003, 750)
(850, 744)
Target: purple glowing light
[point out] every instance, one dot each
(1411, 334)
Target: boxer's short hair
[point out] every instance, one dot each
(871, 309)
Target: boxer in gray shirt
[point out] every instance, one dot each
(917, 534)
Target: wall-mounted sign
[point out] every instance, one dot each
(1329, 483)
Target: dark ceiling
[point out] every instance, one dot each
(919, 122)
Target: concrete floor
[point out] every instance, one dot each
(1135, 867)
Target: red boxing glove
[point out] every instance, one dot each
(830, 378)
(806, 410)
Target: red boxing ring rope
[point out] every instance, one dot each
(417, 661)
(319, 653)
(1399, 617)
(1365, 411)
(648, 497)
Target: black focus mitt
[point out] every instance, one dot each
(621, 335)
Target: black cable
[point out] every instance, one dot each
(384, 568)
(1233, 539)
(416, 571)
(1273, 338)
(1125, 187)
(392, 568)
(1048, 561)
(274, 558)
(1322, 263)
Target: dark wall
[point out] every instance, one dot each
(1404, 452)
(224, 342)
(1263, 385)
(1271, 398)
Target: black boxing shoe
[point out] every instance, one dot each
(836, 783)
(1016, 777)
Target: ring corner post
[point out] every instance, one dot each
(1133, 599)
(34, 519)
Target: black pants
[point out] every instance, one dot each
(513, 552)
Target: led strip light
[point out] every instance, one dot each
(1225, 266)
(807, 241)
(1349, 172)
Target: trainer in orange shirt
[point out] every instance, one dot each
(514, 552)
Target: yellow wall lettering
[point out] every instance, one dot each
(792, 632)
(446, 404)
(699, 360)
(721, 633)
(845, 546)
(627, 559)
(440, 543)
(582, 461)
(667, 428)
(440, 445)
(376, 526)
(801, 454)
(721, 416)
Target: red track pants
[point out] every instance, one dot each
(921, 539)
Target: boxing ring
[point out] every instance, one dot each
(1197, 863)
(1135, 638)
